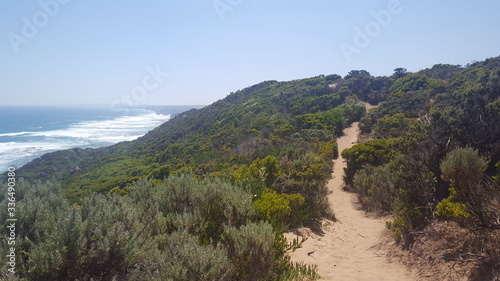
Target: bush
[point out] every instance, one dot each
(375, 187)
(393, 126)
(464, 168)
(184, 259)
(160, 173)
(179, 229)
(281, 210)
(328, 150)
(375, 152)
(452, 211)
(251, 250)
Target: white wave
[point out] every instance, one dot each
(124, 128)
(83, 134)
(18, 153)
(14, 134)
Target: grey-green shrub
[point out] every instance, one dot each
(176, 229)
(251, 249)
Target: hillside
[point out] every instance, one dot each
(205, 196)
(255, 122)
(209, 194)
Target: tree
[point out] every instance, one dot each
(393, 126)
(411, 82)
(359, 82)
(399, 73)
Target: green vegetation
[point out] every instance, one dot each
(375, 152)
(207, 195)
(180, 229)
(435, 145)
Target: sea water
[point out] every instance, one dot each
(27, 132)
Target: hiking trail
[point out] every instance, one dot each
(354, 246)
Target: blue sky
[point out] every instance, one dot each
(198, 51)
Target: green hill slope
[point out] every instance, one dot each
(295, 122)
(204, 194)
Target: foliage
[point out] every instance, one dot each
(464, 168)
(376, 188)
(393, 126)
(411, 83)
(444, 122)
(268, 169)
(375, 152)
(329, 150)
(180, 229)
(280, 210)
(497, 178)
(160, 173)
(273, 207)
(250, 247)
(442, 71)
(264, 153)
(450, 210)
(184, 259)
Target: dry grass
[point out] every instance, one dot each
(445, 251)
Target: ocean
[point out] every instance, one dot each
(27, 132)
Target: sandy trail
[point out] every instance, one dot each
(354, 247)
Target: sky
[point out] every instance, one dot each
(195, 52)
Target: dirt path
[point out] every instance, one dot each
(354, 247)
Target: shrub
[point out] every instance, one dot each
(375, 187)
(268, 169)
(281, 210)
(160, 173)
(273, 208)
(179, 229)
(497, 177)
(328, 150)
(251, 251)
(375, 152)
(464, 168)
(393, 126)
(184, 259)
(451, 211)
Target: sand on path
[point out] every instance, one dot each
(353, 247)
